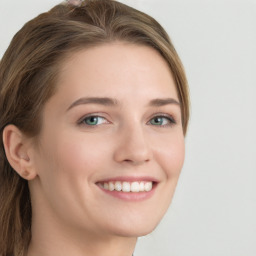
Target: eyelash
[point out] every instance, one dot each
(171, 121)
(82, 120)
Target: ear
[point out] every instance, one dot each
(17, 148)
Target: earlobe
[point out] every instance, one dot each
(16, 147)
(27, 175)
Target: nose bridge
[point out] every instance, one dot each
(133, 146)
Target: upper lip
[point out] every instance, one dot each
(129, 179)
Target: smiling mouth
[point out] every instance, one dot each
(127, 187)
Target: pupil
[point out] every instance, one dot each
(157, 120)
(92, 120)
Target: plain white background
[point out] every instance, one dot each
(213, 212)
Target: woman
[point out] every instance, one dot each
(93, 113)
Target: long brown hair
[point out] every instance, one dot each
(28, 72)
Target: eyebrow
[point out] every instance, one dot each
(94, 100)
(163, 102)
(105, 101)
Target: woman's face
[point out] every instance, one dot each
(114, 124)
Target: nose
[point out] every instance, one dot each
(132, 146)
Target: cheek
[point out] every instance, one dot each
(68, 165)
(170, 155)
(79, 156)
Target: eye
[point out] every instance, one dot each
(162, 121)
(94, 120)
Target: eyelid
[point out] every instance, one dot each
(101, 115)
(171, 119)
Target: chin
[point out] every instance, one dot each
(135, 229)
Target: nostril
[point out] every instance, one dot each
(132, 148)
(136, 162)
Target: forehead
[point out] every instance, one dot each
(116, 68)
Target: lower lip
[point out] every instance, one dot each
(130, 196)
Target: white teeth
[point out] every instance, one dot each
(135, 187)
(111, 186)
(148, 186)
(126, 187)
(142, 186)
(118, 186)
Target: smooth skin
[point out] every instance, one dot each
(135, 132)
